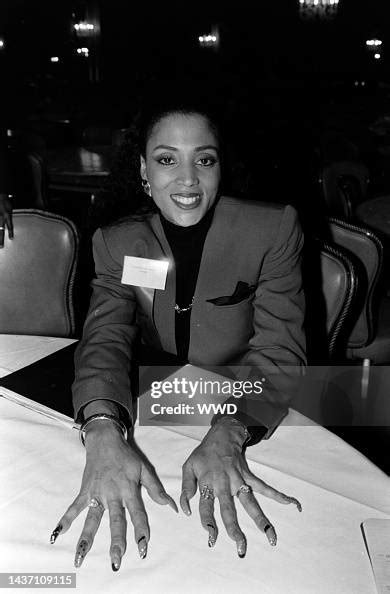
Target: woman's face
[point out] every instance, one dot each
(182, 166)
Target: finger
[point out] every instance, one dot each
(1, 231)
(69, 516)
(229, 518)
(253, 509)
(139, 519)
(118, 526)
(155, 489)
(261, 487)
(91, 525)
(188, 488)
(9, 225)
(206, 512)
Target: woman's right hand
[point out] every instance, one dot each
(114, 472)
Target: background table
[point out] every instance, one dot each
(79, 169)
(320, 551)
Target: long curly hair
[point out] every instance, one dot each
(123, 197)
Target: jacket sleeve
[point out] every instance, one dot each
(103, 356)
(276, 351)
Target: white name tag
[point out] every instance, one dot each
(142, 272)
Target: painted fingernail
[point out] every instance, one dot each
(170, 501)
(116, 558)
(185, 504)
(142, 547)
(55, 533)
(241, 548)
(81, 552)
(212, 535)
(294, 501)
(270, 533)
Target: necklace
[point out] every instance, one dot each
(180, 310)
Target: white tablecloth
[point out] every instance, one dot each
(318, 551)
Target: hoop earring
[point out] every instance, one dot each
(146, 187)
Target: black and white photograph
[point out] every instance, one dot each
(195, 296)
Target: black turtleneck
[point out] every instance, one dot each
(186, 244)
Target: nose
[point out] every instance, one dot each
(187, 175)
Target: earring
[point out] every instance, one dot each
(146, 187)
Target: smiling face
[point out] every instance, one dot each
(182, 166)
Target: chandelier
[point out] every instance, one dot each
(318, 9)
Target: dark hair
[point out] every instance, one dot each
(124, 197)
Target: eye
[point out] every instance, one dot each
(166, 160)
(207, 161)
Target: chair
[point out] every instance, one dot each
(370, 336)
(37, 271)
(331, 287)
(344, 186)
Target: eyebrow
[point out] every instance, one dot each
(197, 149)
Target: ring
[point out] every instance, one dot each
(244, 489)
(206, 492)
(95, 503)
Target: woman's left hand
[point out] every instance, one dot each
(219, 467)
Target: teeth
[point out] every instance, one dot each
(186, 200)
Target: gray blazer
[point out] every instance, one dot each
(256, 243)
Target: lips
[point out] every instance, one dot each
(186, 201)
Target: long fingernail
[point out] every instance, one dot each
(142, 547)
(55, 533)
(81, 552)
(293, 500)
(185, 505)
(270, 533)
(116, 558)
(170, 501)
(241, 548)
(212, 535)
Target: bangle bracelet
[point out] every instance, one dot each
(240, 424)
(102, 417)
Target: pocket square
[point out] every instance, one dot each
(241, 292)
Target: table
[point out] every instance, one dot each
(79, 169)
(376, 214)
(320, 551)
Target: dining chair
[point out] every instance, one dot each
(37, 271)
(370, 337)
(331, 283)
(344, 186)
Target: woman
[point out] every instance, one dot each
(232, 296)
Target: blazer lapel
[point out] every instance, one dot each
(212, 273)
(164, 301)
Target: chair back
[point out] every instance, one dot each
(37, 272)
(365, 245)
(331, 287)
(344, 185)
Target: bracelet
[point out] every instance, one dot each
(102, 417)
(247, 435)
